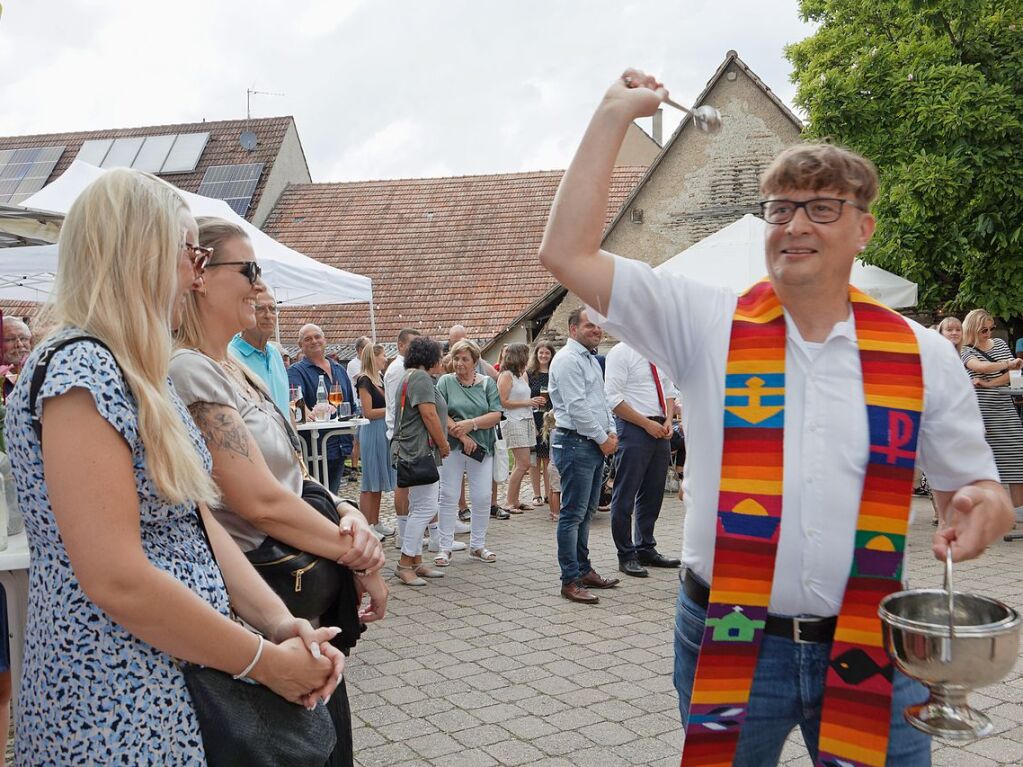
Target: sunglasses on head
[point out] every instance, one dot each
(251, 270)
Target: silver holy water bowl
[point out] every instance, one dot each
(953, 643)
(707, 119)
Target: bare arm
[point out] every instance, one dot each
(252, 491)
(428, 412)
(504, 386)
(571, 244)
(981, 513)
(91, 487)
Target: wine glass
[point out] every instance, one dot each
(294, 396)
(336, 396)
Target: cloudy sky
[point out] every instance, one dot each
(379, 88)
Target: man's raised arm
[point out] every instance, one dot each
(571, 244)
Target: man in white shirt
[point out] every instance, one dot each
(355, 363)
(642, 399)
(392, 381)
(817, 210)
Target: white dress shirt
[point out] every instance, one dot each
(629, 379)
(684, 327)
(353, 369)
(392, 377)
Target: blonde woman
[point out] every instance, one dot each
(538, 373)
(378, 475)
(519, 429)
(122, 581)
(255, 464)
(952, 329)
(989, 361)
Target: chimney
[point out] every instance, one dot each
(658, 130)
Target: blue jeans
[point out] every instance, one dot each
(581, 466)
(788, 691)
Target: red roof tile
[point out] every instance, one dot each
(440, 251)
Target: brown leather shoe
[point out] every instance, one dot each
(594, 581)
(576, 593)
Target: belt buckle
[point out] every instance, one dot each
(797, 624)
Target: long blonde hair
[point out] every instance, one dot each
(116, 280)
(972, 324)
(369, 364)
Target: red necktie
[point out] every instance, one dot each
(660, 391)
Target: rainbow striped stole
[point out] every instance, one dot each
(857, 702)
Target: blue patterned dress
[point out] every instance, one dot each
(92, 693)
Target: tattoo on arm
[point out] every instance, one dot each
(220, 430)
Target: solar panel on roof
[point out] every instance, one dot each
(234, 184)
(94, 150)
(184, 155)
(23, 172)
(122, 154)
(153, 153)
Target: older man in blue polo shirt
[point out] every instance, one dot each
(253, 349)
(584, 435)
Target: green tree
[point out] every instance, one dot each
(932, 92)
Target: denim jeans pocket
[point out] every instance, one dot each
(690, 620)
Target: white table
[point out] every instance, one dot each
(14, 579)
(325, 430)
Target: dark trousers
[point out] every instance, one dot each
(641, 468)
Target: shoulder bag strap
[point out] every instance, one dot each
(41, 368)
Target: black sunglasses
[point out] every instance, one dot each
(252, 270)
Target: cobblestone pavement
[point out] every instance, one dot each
(490, 666)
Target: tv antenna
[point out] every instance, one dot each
(249, 93)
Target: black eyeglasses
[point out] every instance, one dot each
(821, 210)
(252, 270)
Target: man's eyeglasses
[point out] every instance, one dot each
(268, 308)
(252, 270)
(820, 210)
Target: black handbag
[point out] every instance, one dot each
(244, 724)
(412, 472)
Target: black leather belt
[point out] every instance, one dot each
(797, 629)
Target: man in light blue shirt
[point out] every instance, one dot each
(584, 435)
(253, 349)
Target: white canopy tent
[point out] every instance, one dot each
(734, 257)
(27, 273)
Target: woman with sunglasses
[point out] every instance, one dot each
(989, 360)
(255, 465)
(113, 478)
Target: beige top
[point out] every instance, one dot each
(197, 378)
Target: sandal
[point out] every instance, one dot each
(465, 514)
(443, 559)
(515, 509)
(407, 574)
(483, 555)
(426, 572)
(552, 516)
(498, 513)
(537, 501)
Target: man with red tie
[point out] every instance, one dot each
(642, 399)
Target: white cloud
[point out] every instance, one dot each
(384, 89)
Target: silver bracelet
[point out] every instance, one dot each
(255, 660)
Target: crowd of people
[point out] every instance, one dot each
(186, 468)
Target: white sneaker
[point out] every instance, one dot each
(461, 528)
(379, 535)
(384, 530)
(455, 546)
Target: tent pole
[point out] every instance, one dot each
(372, 317)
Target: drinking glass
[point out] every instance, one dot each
(294, 397)
(344, 410)
(336, 395)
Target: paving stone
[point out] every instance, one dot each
(514, 752)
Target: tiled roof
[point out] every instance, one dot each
(440, 251)
(221, 149)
